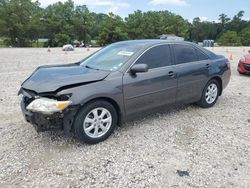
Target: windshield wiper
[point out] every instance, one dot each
(91, 67)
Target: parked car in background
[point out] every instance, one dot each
(68, 47)
(91, 97)
(244, 64)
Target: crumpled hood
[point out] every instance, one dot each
(52, 78)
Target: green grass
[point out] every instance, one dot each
(37, 44)
(34, 44)
(2, 45)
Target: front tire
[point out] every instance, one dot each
(95, 122)
(210, 94)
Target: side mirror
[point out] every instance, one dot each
(139, 68)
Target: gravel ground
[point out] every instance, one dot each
(183, 147)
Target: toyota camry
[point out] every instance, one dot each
(91, 97)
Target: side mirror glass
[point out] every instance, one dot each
(139, 68)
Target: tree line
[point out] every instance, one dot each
(23, 22)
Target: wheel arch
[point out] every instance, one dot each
(219, 80)
(111, 101)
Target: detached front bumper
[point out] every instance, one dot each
(41, 122)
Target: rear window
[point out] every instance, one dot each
(158, 56)
(184, 53)
(201, 56)
(210, 54)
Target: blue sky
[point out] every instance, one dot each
(188, 9)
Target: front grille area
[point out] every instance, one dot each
(247, 67)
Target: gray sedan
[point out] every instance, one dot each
(91, 97)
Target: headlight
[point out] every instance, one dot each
(47, 106)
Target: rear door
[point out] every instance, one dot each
(192, 68)
(154, 88)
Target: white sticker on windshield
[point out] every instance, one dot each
(125, 53)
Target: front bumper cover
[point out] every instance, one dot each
(247, 67)
(41, 122)
(243, 68)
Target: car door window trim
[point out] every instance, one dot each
(189, 45)
(127, 71)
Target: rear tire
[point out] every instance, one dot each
(95, 122)
(210, 94)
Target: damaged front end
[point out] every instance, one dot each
(42, 120)
(41, 104)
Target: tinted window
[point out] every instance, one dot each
(155, 57)
(184, 53)
(201, 56)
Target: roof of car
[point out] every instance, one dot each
(147, 43)
(151, 42)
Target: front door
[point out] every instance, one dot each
(154, 88)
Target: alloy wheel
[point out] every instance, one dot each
(97, 122)
(211, 93)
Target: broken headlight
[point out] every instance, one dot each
(47, 106)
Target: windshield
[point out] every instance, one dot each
(110, 58)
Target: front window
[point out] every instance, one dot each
(111, 58)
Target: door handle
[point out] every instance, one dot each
(207, 65)
(171, 74)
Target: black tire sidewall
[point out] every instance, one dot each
(203, 103)
(78, 124)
